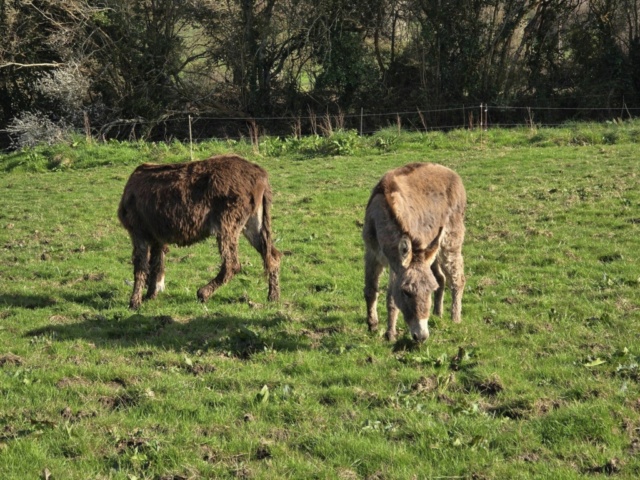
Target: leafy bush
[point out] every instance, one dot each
(338, 142)
(341, 142)
(386, 139)
(276, 146)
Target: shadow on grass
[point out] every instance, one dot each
(232, 336)
(31, 302)
(405, 344)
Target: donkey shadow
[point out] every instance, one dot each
(30, 302)
(232, 336)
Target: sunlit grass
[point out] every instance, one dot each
(540, 380)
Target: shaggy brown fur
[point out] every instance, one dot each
(186, 203)
(414, 223)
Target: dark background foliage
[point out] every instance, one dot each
(121, 67)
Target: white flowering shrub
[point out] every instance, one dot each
(34, 128)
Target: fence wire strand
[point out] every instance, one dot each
(480, 115)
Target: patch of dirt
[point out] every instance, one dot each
(247, 417)
(535, 232)
(116, 383)
(9, 359)
(489, 386)
(529, 290)
(634, 447)
(317, 334)
(478, 476)
(93, 277)
(209, 455)
(242, 471)
(612, 467)
(371, 399)
(279, 435)
(349, 416)
(379, 475)
(68, 414)
(347, 474)
(624, 305)
(610, 258)
(571, 255)
(327, 400)
(263, 452)
(217, 431)
(87, 277)
(446, 399)
(529, 457)
(485, 282)
(515, 410)
(425, 384)
(120, 401)
(542, 406)
(200, 369)
(9, 432)
(67, 382)
(132, 442)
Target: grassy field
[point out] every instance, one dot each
(540, 380)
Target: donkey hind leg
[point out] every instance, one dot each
(259, 238)
(392, 310)
(228, 247)
(453, 267)
(372, 271)
(439, 293)
(140, 271)
(155, 280)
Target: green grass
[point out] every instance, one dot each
(540, 380)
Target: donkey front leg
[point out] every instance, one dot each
(372, 271)
(392, 310)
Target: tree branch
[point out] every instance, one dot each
(32, 65)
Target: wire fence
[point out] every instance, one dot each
(199, 127)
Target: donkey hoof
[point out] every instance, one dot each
(134, 304)
(203, 294)
(274, 296)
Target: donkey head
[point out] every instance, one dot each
(414, 283)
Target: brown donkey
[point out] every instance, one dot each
(414, 224)
(186, 203)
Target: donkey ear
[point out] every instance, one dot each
(405, 251)
(433, 248)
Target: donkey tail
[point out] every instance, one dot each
(272, 256)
